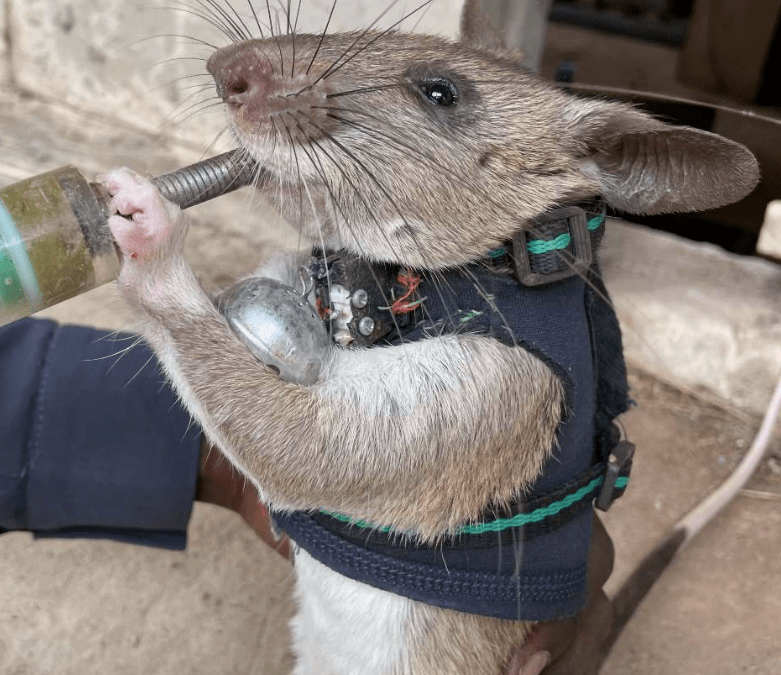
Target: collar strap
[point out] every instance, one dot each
(557, 245)
(602, 483)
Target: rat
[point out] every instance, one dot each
(422, 153)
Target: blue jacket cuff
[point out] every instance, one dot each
(99, 446)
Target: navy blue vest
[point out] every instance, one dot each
(529, 563)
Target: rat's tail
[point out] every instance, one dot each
(640, 582)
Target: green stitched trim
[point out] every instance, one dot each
(595, 222)
(469, 316)
(540, 514)
(501, 524)
(539, 246)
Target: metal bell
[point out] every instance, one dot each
(278, 325)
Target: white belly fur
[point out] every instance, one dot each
(344, 627)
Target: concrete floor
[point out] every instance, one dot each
(89, 607)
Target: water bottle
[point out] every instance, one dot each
(54, 237)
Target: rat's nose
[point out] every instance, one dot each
(240, 73)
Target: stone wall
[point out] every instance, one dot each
(119, 59)
(3, 45)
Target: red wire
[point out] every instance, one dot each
(411, 283)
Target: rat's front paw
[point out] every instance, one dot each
(144, 224)
(148, 229)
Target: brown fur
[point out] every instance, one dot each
(453, 643)
(426, 473)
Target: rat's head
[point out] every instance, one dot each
(416, 150)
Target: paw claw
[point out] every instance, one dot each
(143, 223)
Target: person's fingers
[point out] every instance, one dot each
(554, 637)
(584, 655)
(536, 664)
(601, 556)
(219, 483)
(256, 515)
(573, 646)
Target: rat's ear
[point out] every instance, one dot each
(480, 34)
(647, 167)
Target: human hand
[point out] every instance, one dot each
(573, 646)
(219, 483)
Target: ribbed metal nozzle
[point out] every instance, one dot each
(208, 179)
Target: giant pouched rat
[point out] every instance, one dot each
(425, 154)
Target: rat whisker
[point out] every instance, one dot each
(298, 16)
(489, 301)
(236, 28)
(199, 87)
(367, 90)
(210, 148)
(385, 192)
(205, 86)
(114, 336)
(298, 171)
(292, 34)
(192, 76)
(330, 69)
(322, 36)
(257, 20)
(209, 18)
(372, 133)
(274, 35)
(375, 38)
(195, 112)
(369, 211)
(188, 103)
(245, 32)
(118, 356)
(191, 101)
(180, 58)
(420, 18)
(323, 248)
(220, 17)
(182, 38)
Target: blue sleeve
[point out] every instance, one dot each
(92, 443)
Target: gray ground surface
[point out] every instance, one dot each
(85, 608)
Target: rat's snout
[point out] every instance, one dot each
(265, 89)
(241, 73)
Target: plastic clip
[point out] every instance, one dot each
(576, 258)
(620, 461)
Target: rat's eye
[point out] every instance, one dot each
(440, 92)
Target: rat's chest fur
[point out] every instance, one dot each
(347, 628)
(337, 618)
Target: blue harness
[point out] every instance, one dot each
(542, 292)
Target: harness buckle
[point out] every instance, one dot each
(620, 460)
(569, 259)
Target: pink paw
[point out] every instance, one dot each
(143, 224)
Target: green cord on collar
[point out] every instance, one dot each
(537, 515)
(500, 524)
(539, 246)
